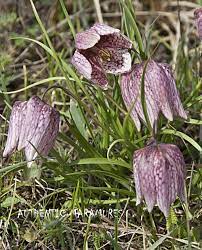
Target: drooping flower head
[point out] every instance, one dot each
(100, 50)
(198, 20)
(160, 92)
(33, 127)
(159, 173)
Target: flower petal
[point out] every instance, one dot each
(163, 182)
(129, 95)
(116, 41)
(142, 161)
(131, 86)
(30, 121)
(177, 170)
(98, 76)
(120, 61)
(50, 134)
(15, 125)
(35, 137)
(82, 64)
(169, 176)
(91, 68)
(103, 29)
(87, 39)
(173, 94)
(139, 195)
(198, 19)
(158, 81)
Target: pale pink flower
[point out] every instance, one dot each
(161, 94)
(198, 20)
(33, 126)
(159, 173)
(100, 50)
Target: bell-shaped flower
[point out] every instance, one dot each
(198, 20)
(33, 126)
(161, 94)
(159, 174)
(100, 50)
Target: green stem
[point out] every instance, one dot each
(154, 231)
(143, 101)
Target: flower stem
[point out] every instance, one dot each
(143, 101)
(154, 231)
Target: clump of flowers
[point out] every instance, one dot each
(198, 19)
(161, 94)
(159, 173)
(100, 50)
(159, 169)
(33, 126)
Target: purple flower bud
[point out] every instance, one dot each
(159, 174)
(160, 91)
(100, 50)
(198, 20)
(33, 126)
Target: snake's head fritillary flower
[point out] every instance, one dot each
(198, 20)
(33, 126)
(159, 173)
(161, 94)
(100, 50)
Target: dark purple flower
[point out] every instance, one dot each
(100, 50)
(160, 90)
(159, 173)
(198, 19)
(33, 126)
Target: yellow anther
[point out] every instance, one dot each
(104, 55)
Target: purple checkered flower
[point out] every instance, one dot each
(159, 174)
(100, 50)
(198, 20)
(33, 127)
(161, 94)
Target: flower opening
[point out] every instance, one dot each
(100, 50)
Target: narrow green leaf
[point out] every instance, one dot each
(68, 18)
(50, 79)
(13, 167)
(133, 24)
(101, 161)
(78, 119)
(184, 136)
